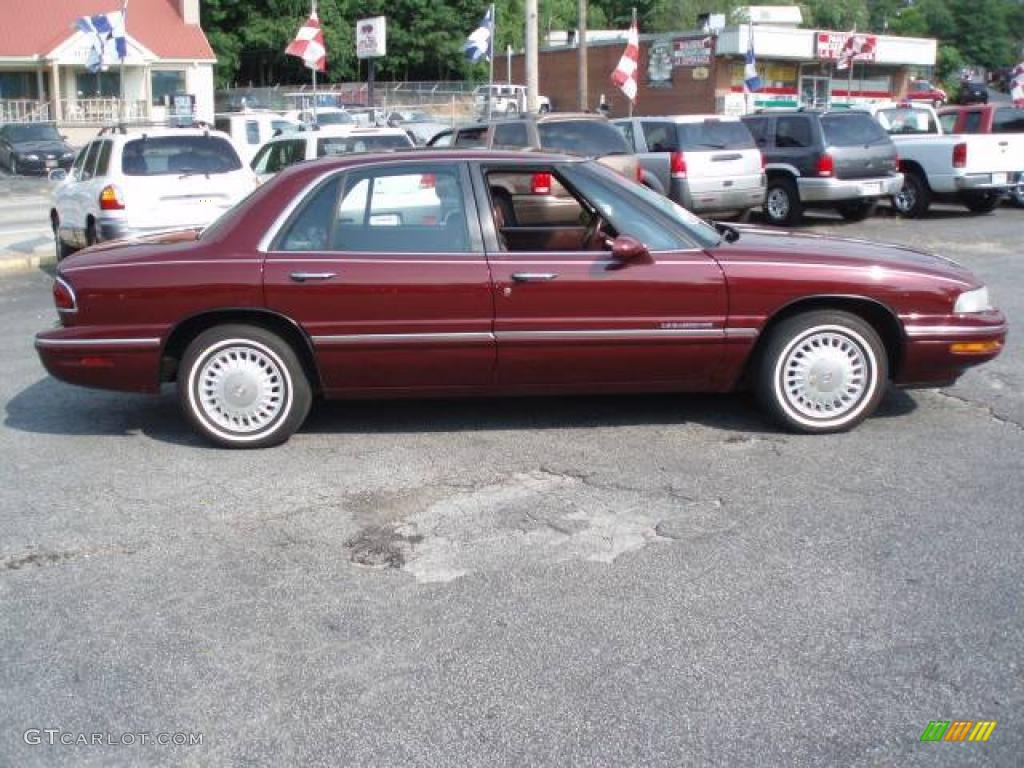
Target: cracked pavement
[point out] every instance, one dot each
(649, 580)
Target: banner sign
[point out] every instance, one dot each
(691, 52)
(829, 45)
(371, 37)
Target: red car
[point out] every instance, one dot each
(398, 276)
(922, 90)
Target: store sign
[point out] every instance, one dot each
(692, 52)
(371, 37)
(829, 45)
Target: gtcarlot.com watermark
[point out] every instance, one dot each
(54, 736)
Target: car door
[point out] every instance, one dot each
(383, 267)
(568, 316)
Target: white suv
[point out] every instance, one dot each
(282, 151)
(505, 100)
(131, 183)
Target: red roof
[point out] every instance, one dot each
(33, 27)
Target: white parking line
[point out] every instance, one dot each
(23, 231)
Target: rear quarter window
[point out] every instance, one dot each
(852, 130)
(582, 137)
(165, 155)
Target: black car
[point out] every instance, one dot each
(972, 92)
(841, 159)
(34, 148)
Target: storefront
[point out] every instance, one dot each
(692, 72)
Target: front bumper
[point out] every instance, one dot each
(102, 358)
(42, 166)
(929, 358)
(831, 190)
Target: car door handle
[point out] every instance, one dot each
(301, 277)
(533, 277)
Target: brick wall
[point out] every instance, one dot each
(558, 82)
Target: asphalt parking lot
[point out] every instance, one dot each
(599, 581)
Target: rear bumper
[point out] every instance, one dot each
(929, 358)
(122, 362)
(836, 190)
(987, 182)
(742, 196)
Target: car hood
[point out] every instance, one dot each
(771, 245)
(41, 146)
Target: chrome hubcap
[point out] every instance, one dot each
(905, 198)
(778, 203)
(825, 375)
(241, 389)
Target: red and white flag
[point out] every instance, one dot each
(856, 47)
(624, 76)
(308, 45)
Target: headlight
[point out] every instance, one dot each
(67, 156)
(972, 301)
(31, 157)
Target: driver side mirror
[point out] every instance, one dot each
(629, 250)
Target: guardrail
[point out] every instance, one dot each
(24, 111)
(102, 111)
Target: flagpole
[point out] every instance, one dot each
(490, 59)
(124, 28)
(638, 56)
(313, 68)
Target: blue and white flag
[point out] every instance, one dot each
(104, 28)
(751, 80)
(478, 44)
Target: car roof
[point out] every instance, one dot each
(688, 118)
(159, 132)
(430, 155)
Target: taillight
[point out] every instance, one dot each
(428, 181)
(764, 161)
(540, 184)
(677, 165)
(826, 165)
(960, 155)
(63, 296)
(110, 199)
(639, 172)
(896, 163)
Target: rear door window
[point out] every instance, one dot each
(252, 132)
(903, 120)
(167, 155)
(472, 137)
(759, 129)
(103, 161)
(852, 130)
(626, 129)
(343, 145)
(511, 136)
(714, 134)
(592, 138)
(89, 169)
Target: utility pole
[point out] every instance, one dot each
(581, 55)
(532, 78)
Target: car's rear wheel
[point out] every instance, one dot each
(1017, 195)
(914, 199)
(14, 166)
(782, 204)
(62, 249)
(822, 371)
(856, 210)
(91, 238)
(242, 386)
(982, 202)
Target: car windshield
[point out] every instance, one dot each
(698, 230)
(334, 118)
(714, 134)
(907, 120)
(166, 155)
(852, 130)
(19, 133)
(342, 145)
(592, 138)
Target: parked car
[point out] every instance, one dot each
(250, 130)
(301, 290)
(972, 92)
(323, 116)
(420, 126)
(706, 163)
(542, 199)
(840, 159)
(33, 148)
(505, 100)
(284, 150)
(129, 183)
(973, 170)
(923, 90)
(990, 118)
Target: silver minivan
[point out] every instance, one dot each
(706, 163)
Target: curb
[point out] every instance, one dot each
(32, 263)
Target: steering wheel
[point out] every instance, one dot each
(594, 238)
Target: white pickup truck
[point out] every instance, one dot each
(976, 170)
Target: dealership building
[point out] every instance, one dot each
(698, 71)
(43, 72)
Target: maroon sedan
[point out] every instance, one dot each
(398, 276)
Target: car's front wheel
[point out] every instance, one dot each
(242, 386)
(821, 371)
